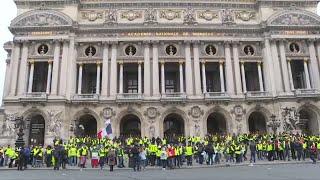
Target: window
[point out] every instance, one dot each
(294, 48)
(211, 50)
(43, 49)
(90, 51)
(130, 50)
(171, 50)
(248, 50)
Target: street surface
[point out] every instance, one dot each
(257, 172)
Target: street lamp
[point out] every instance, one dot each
(274, 123)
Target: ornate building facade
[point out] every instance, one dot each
(161, 68)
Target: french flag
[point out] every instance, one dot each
(106, 131)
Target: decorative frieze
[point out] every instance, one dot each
(227, 16)
(150, 16)
(245, 15)
(92, 15)
(170, 14)
(208, 15)
(111, 16)
(131, 15)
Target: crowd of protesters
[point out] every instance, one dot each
(167, 153)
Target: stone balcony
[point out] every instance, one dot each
(176, 96)
(258, 95)
(129, 97)
(216, 96)
(307, 93)
(34, 97)
(85, 97)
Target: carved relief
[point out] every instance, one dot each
(197, 130)
(294, 19)
(107, 113)
(170, 14)
(189, 17)
(42, 19)
(54, 122)
(152, 131)
(151, 113)
(195, 112)
(208, 15)
(245, 15)
(111, 16)
(8, 127)
(238, 112)
(227, 16)
(150, 16)
(131, 15)
(92, 15)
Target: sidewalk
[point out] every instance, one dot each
(260, 163)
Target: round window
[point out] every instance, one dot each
(130, 50)
(248, 50)
(211, 50)
(294, 47)
(171, 50)
(43, 49)
(90, 51)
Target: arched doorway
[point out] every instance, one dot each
(257, 123)
(87, 126)
(309, 122)
(130, 126)
(36, 130)
(216, 123)
(173, 125)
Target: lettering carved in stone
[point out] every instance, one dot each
(131, 15)
(208, 15)
(170, 14)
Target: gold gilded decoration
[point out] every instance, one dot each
(245, 15)
(170, 14)
(131, 15)
(207, 15)
(92, 15)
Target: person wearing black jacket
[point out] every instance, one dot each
(210, 151)
(21, 159)
(253, 150)
(135, 155)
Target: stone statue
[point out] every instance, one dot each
(197, 129)
(152, 131)
(150, 16)
(111, 16)
(8, 128)
(55, 122)
(291, 119)
(227, 16)
(189, 17)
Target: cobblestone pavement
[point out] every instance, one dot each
(302, 171)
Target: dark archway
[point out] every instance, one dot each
(257, 123)
(216, 123)
(130, 125)
(309, 122)
(173, 125)
(36, 130)
(87, 126)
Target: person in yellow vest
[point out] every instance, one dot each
(179, 153)
(72, 155)
(189, 153)
(48, 156)
(120, 155)
(238, 153)
(270, 150)
(8, 153)
(102, 157)
(158, 154)
(152, 150)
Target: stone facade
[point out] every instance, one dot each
(230, 60)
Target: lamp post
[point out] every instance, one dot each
(274, 123)
(20, 125)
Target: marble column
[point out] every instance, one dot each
(314, 68)
(22, 85)
(204, 79)
(80, 78)
(268, 69)
(181, 77)
(196, 66)
(120, 77)
(155, 70)
(113, 69)
(98, 77)
(285, 74)
(139, 78)
(188, 69)
(221, 70)
(31, 72)
(6, 87)
(260, 76)
(290, 74)
(306, 73)
(49, 75)
(229, 71)
(146, 70)
(105, 70)
(55, 68)
(14, 66)
(243, 76)
(276, 67)
(237, 68)
(64, 69)
(72, 69)
(163, 90)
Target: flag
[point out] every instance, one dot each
(106, 131)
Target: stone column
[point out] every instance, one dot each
(237, 68)
(290, 74)
(48, 89)
(105, 70)
(306, 72)
(146, 70)
(14, 66)
(98, 77)
(181, 76)
(80, 78)
(268, 68)
(221, 76)
(243, 76)
(64, 69)
(286, 75)
(196, 66)
(139, 78)
(22, 85)
(276, 67)
(260, 76)
(120, 77)
(188, 69)
(31, 72)
(6, 87)
(55, 68)
(163, 90)
(113, 69)
(204, 79)
(72, 69)
(155, 70)
(229, 71)
(314, 66)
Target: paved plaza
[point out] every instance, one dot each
(257, 172)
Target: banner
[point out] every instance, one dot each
(106, 131)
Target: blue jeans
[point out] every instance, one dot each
(73, 160)
(253, 157)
